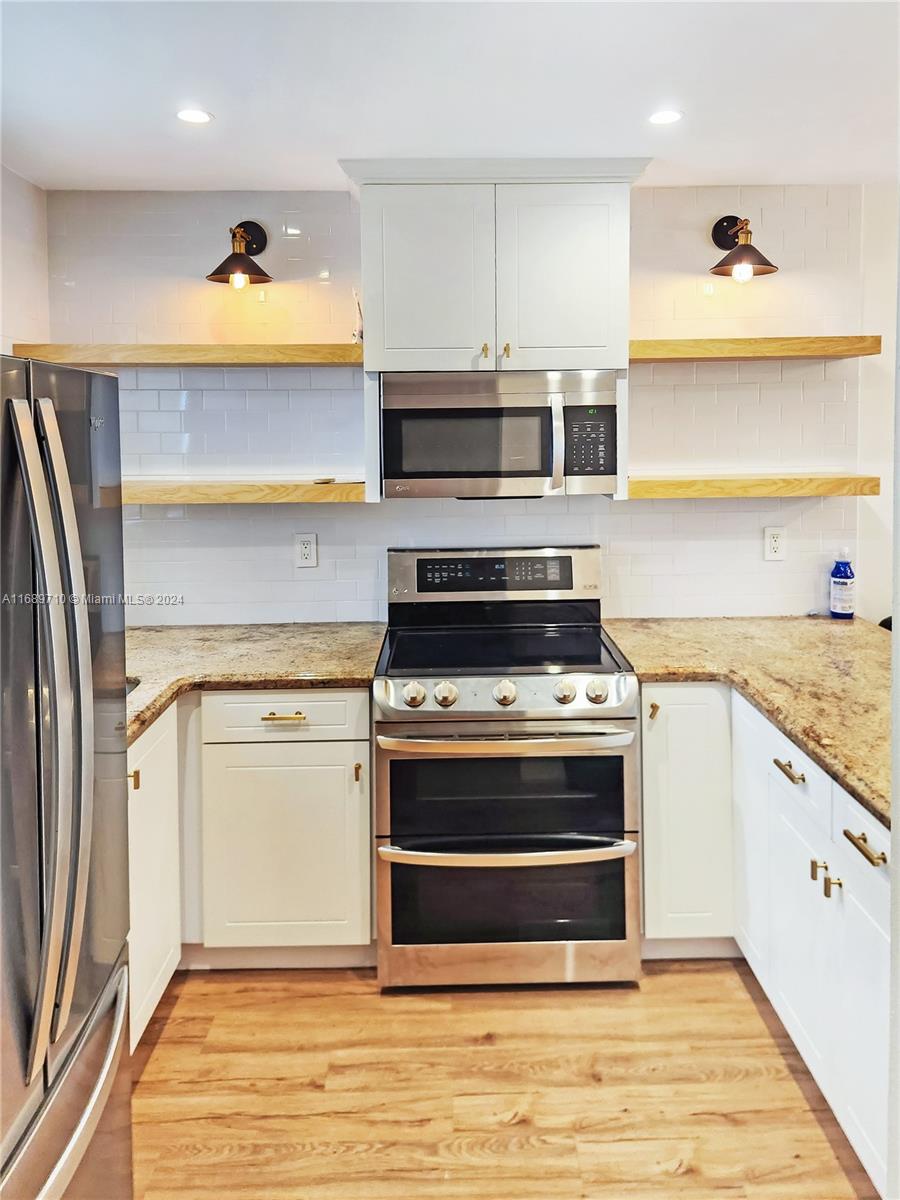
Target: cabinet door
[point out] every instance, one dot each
(154, 866)
(687, 810)
(286, 844)
(860, 993)
(801, 939)
(428, 277)
(562, 275)
(751, 837)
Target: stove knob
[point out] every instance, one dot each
(597, 690)
(505, 692)
(414, 694)
(565, 691)
(446, 694)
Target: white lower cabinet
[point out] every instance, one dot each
(286, 846)
(812, 918)
(686, 733)
(154, 867)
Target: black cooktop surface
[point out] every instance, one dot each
(498, 651)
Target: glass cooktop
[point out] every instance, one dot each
(493, 651)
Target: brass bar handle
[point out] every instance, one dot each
(485, 349)
(654, 710)
(506, 349)
(787, 769)
(830, 884)
(815, 867)
(272, 716)
(861, 843)
(135, 777)
(357, 771)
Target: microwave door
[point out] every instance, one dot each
(506, 447)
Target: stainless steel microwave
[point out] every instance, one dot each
(505, 433)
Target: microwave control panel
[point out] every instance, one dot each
(590, 439)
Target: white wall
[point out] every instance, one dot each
(681, 558)
(24, 309)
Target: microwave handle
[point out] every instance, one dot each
(557, 444)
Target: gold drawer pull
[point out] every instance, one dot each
(485, 350)
(272, 716)
(815, 867)
(830, 884)
(506, 349)
(135, 777)
(357, 771)
(861, 843)
(786, 769)
(654, 710)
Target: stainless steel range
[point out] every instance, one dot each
(507, 773)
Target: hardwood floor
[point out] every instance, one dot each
(311, 1085)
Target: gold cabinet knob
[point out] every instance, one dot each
(135, 777)
(506, 349)
(485, 350)
(815, 867)
(830, 884)
(357, 771)
(654, 710)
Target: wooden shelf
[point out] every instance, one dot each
(195, 355)
(337, 354)
(241, 491)
(743, 349)
(707, 487)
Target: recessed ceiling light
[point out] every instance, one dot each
(665, 116)
(195, 116)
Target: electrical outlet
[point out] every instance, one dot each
(306, 550)
(774, 543)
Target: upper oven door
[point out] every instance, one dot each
(525, 779)
(472, 434)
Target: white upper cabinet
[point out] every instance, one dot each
(491, 265)
(562, 276)
(428, 277)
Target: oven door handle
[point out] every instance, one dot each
(523, 858)
(509, 748)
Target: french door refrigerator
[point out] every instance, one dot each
(65, 1120)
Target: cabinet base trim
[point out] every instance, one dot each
(196, 957)
(654, 948)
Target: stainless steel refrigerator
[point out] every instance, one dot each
(65, 1105)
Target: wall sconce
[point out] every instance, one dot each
(743, 260)
(238, 268)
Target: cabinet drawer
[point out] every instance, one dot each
(871, 881)
(802, 779)
(308, 715)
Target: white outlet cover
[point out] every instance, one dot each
(306, 550)
(774, 543)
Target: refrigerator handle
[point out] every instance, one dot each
(73, 567)
(52, 616)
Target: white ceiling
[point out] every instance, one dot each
(772, 92)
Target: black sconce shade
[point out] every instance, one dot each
(244, 236)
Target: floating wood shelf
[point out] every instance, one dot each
(708, 487)
(337, 354)
(241, 491)
(742, 349)
(196, 355)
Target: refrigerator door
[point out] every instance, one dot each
(77, 416)
(79, 1147)
(20, 903)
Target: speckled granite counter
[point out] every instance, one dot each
(170, 660)
(824, 683)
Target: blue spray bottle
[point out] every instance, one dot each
(843, 586)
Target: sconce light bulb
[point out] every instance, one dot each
(742, 272)
(239, 280)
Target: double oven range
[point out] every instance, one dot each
(507, 767)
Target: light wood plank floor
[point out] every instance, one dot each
(310, 1085)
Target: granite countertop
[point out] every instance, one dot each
(825, 683)
(172, 659)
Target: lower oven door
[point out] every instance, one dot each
(509, 857)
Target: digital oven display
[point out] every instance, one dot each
(499, 574)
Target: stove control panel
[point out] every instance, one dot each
(495, 573)
(520, 696)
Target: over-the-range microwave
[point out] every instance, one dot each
(506, 433)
